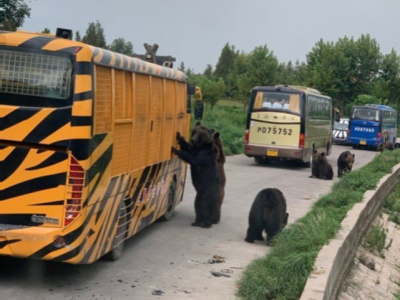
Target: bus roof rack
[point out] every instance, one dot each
(299, 87)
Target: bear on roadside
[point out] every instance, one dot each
(321, 169)
(345, 162)
(201, 155)
(268, 213)
(386, 146)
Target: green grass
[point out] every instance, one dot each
(391, 206)
(282, 274)
(376, 237)
(230, 103)
(230, 122)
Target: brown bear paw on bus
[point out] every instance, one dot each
(345, 162)
(268, 213)
(385, 146)
(321, 168)
(201, 153)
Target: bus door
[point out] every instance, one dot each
(38, 176)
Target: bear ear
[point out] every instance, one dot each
(315, 151)
(354, 155)
(216, 135)
(198, 123)
(322, 154)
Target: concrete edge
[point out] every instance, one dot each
(334, 260)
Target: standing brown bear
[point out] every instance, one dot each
(202, 155)
(220, 157)
(321, 169)
(268, 213)
(345, 162)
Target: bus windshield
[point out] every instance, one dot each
(34, 74)
(366, 114)
(278, 101)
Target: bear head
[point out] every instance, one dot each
(201, 135)
(319, 158)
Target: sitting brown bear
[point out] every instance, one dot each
(386, 145)
(268, 213)
(321, 169)
(345, 162)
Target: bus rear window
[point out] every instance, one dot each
(33, 74)
(365, 114)
(278, 101)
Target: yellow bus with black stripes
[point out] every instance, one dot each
(288, 122)
(85, 147)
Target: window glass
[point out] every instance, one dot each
(278, 101)
(366, 114)
(35, 74)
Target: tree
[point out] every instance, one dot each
(182, 67)
(213, 89)
(225, 62)
(78, 36)
(95, 35)
(119, 45)
(15, 12)
(46, 30)
(388, 84)
(208, 72)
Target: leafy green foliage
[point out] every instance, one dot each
(95, 35)
(282, 274)
(46, 30)
(15, 12)
(78, 36)
(121, 46)
(213, 89)
(376, 238)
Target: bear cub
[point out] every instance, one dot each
(321, 169)
(345, 162)
(268, 213)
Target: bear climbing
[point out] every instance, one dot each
(345, 162)
(268, 213)
(321, 169)
(201, 154)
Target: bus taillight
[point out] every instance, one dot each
(246, 137)
(379, 135)
(76, 181)
(301, 142)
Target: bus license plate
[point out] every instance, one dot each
(272, 153)
(363, 142)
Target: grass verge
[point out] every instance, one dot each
(282, 274)
(230, 122)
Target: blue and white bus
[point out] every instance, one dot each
(372, 125)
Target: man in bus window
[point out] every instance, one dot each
(279, 104)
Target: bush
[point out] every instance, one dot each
(230, 122)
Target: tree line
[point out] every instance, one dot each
(351, 71)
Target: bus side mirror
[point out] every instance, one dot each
(198, 110)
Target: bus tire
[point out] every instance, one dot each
(261, 160)
(119, 239)
(171, 201)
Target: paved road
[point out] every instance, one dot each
(168, 256)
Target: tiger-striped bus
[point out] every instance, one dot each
(85, 147)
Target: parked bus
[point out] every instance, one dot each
(85, 147)
(372, 125)
(288, 122)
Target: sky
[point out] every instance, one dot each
(196, 31)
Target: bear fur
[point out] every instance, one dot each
(220, 157)
(268, 213)
(345, 162)
(386, 146)
(321, 169)
(201, 153)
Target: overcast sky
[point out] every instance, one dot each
(196, 31)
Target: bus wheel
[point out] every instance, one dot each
(119, 239)
(262, 160)
(170, 202)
